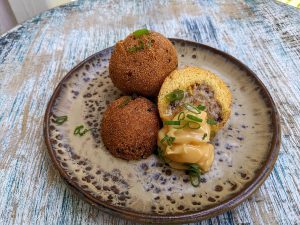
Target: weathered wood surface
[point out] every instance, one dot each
(35, 56)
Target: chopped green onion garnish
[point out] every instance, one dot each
(194, 166)
(160, 153)
(181, 116)
(183, 126)
(133, 49)
(192, 108)
(171, 122)
(125, 102)
(194, 172)
(137, 48)
(201, 107)
(193, 125)
(175, 95)
(194, 118)
(164, 139)
(141, 32)
(211, 121)
(171, 140)
(190, 124)
(168, 139)
(195, 179)
(141, 46)
(60, 120)
(80, 130)
(204, 136)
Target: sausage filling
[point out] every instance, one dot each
(198, 94)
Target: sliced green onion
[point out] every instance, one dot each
(194, 118)
(181, 116)
(204, 136)
(60, 120)
(211, 121)
(171, 122)
(133, 49)
(195, 179)
(142, 45)
(171, 140)
(192, 108)
(190, 124)
(164, 139)
(194, 172)
(194, 166)
(175, 95)
(201, 107)
(160, 153)
(141, 32)
(137, 48)
(183, 126)
(193, 125)
(80, 130)
(168, 139)
(125, 102)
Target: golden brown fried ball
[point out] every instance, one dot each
(140, 64)
(129, 128)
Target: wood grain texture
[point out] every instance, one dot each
(35, 56)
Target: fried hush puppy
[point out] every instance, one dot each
(129, 128)
(196, 86)
(141, 62)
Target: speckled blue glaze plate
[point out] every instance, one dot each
(148, 190)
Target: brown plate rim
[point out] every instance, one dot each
(217, 209)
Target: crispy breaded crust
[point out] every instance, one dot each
(142, 71)
(184, 78)
(129, 131)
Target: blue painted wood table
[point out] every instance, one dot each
(34, 57)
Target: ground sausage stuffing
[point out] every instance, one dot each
(198, 94)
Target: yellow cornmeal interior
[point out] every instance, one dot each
(190, 145)
(183, 79)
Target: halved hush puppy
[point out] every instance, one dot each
(192, 86)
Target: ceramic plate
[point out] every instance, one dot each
(148, 190)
